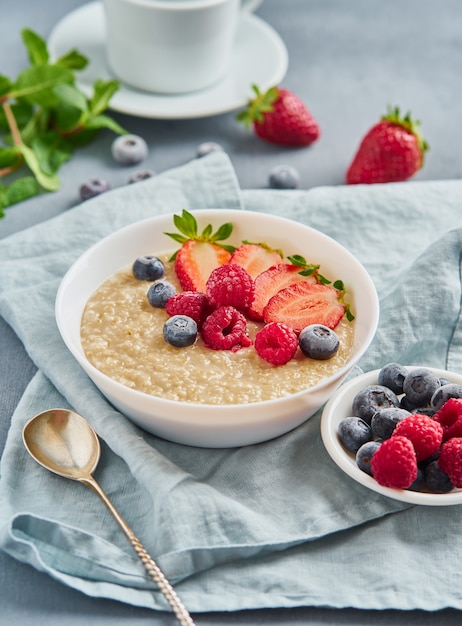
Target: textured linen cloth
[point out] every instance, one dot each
(270, 525)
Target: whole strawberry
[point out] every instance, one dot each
(279, 116)
(392, 150)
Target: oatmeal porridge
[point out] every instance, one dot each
(122, 336)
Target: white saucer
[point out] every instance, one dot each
(260, 58)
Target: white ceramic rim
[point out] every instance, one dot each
(334, 411)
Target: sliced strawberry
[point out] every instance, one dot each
(255, 258)
(303, 304)
(195, 261)
(269, 282)
(200, 252)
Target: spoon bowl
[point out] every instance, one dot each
(63, 442)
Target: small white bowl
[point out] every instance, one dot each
(207, 425)
(340, 406)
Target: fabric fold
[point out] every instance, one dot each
(258, 526)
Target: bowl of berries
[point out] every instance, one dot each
(398, 431)
(218, 328)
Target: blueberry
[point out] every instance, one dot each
(207, 147)
(437, 480)
(419, 386)
(159, 293)
(148, 267)
(284, 177)
(419, 481)
(384, 421)
(129, 149)
(443, 393)
(93, 187)
(364, 455)
(140, 175)
(392, 376)
(372, 398)
(318, 342)
(354, 432)
(180, 331)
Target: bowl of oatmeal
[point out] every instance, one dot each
(200, 395)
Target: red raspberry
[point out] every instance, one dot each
(191, 303)
(394, 463)
(450, 418)
(450, 460)
(226, 329)
(230, 285)
(276, 343)
(425, 434)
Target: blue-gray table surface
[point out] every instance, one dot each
(347, 61)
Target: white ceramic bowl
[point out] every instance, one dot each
(338, 407)
(211, 425)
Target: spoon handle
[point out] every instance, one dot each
(180, 611)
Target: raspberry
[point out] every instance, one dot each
(276, 343)
(226, 329)
(450, 460)
(450, 418)
(230, 285)
(424, 433)
(394, 464)
(191, 303)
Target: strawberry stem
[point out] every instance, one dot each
(393, 116)
(188, 227)
(259, 105)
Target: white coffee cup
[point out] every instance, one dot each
(171, 46)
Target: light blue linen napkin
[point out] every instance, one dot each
(271, 525)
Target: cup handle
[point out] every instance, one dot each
(250, 5)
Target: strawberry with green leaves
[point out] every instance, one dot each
(200, 253)
(392, 150)
(279, 116)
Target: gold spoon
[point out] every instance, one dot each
(64, 443)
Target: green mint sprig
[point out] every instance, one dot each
(309, 270)
(44, 117)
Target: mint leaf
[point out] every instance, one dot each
(47, 181)
(69, 94)
(20, 190)
(36, 83)
(8, 157)
(22, 113)
(5, 84)
(297, 259)
(73, 60)
(68, 118)
(36, 47)
(102, 93)
(81, 138)
(97, 122)
(51, 151)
